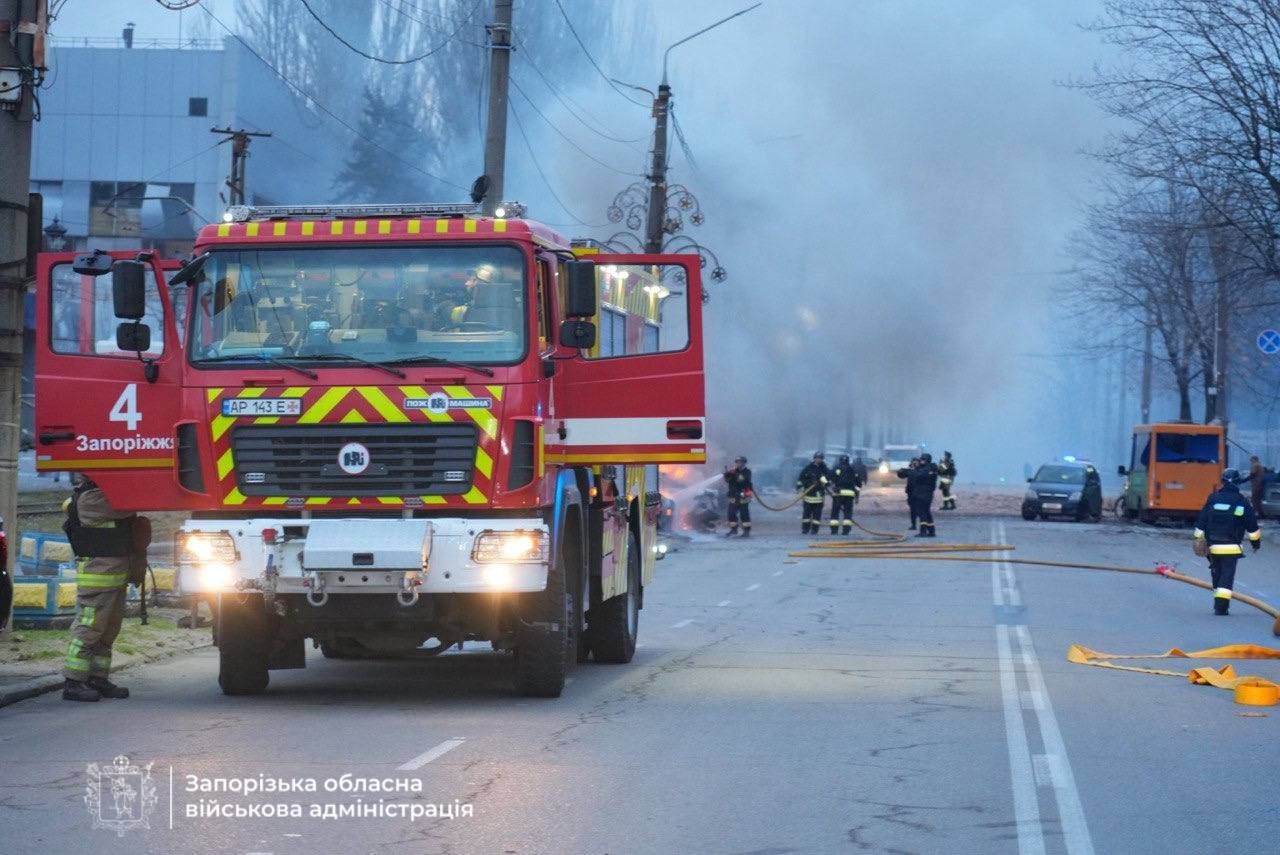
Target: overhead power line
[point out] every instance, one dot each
(322, 108)
(565, 101)
(577, 38)
(515, 114)
(588, 155)
(409, 61)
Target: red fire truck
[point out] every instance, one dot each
(395, 428)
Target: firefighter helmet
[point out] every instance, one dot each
(818, 455)
(1231, 476)
(740, 459)
(926, 458)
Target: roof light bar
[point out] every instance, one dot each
(244, 213)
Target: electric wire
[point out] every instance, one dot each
(565, 101)
(410, 60)
(515, 114)
(592, 59)
(320, 106)
(566, 137)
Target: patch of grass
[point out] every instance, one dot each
(43, 654)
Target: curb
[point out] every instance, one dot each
(37, 686)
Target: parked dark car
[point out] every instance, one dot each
(1064, 489)
(1271, 497)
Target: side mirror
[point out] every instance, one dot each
(92, 264)
(129, 289)
(190, 270)
(578, 334)
(1120, 470)
(580, 291)
(133, 338)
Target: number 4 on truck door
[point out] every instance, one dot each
(107, 384)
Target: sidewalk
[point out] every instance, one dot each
(31, 659)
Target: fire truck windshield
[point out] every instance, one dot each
(383, 304)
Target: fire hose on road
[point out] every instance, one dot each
(1249, 689)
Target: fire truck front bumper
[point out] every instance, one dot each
(401, 557)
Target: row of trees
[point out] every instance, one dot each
(1185, 242)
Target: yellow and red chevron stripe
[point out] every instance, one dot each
(327, 230)
(357, 405)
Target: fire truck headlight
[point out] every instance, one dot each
(498, 576)
(216, 577)
(206, 547)
(509, 546)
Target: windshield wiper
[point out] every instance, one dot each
(258, 357)
(439, 360)
(347, 357)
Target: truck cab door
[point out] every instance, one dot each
(102, 410)
(636, 394)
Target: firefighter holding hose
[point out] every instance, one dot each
(844, 492)
(737, 479)
(812, 484)
(1226, 519)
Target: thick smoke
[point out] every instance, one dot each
(891, 185)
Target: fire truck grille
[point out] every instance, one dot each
(355, 460)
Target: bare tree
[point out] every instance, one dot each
(1202, 100)
(1141, 262)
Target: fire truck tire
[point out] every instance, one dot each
(542, 637)
(614, 632)
(243, 644)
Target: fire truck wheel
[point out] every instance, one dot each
(542, 637)
(614, 632)
(243, 644)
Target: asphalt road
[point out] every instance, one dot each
(774, 706)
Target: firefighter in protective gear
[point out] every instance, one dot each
(813, 482)
(905, 473)
(110, 548)
(738, 480)
(844, 493)
(922, 481)
(946, 478)
(1226, 519)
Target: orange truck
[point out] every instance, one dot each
(1173, 468)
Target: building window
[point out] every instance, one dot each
(197, 106)
(115, 208)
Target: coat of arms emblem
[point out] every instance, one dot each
(120, 796)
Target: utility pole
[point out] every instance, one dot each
(655, 225)
(1218, 391)
(20, 44)
(495, 134)
(1146, 369)
(239, 154)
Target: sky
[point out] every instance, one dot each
(891, 185)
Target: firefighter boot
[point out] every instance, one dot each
(746, 529)
(835, 527)
(106, 688)
(733, 530)
(74, 690)
(1221, 606)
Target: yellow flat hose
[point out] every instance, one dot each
(1250, 690)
